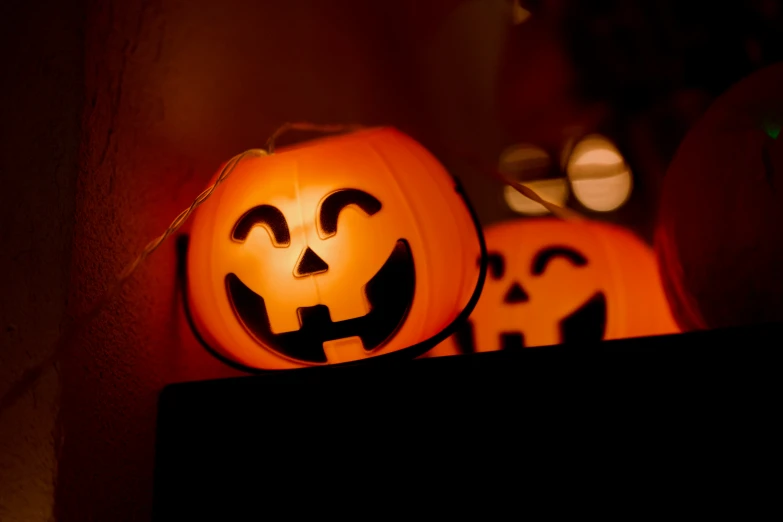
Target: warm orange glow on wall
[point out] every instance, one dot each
(335, 250)
(600, 178)
(519, 14)
(552, 281)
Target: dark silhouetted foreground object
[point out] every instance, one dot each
(400, 432)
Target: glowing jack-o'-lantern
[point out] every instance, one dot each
(552, 281)
(336, 250)
(719, 234)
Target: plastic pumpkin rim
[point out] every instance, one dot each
(403, 354)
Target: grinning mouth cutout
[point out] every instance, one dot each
(389, 293)
(585, 325)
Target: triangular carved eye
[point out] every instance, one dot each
(335, 202)
(267, 216)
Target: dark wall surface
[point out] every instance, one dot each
(40, 103)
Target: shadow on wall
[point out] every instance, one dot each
(174, 89)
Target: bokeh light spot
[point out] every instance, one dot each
(600, 177)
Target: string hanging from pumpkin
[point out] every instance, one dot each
(31, 375)
(80, 324)
(556, 210)
(314, 127)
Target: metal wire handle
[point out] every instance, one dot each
(31, 375)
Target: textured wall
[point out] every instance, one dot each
(40, 103)
(174, 88)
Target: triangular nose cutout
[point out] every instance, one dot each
(516, 294)
(310, 264)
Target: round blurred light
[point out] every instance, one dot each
(600, 178)
(530, 165)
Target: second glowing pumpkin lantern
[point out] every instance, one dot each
(335, 250)
(552, 281)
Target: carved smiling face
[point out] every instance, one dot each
(379, 305)
(551, 282)
(329, 252)
(549, 297)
